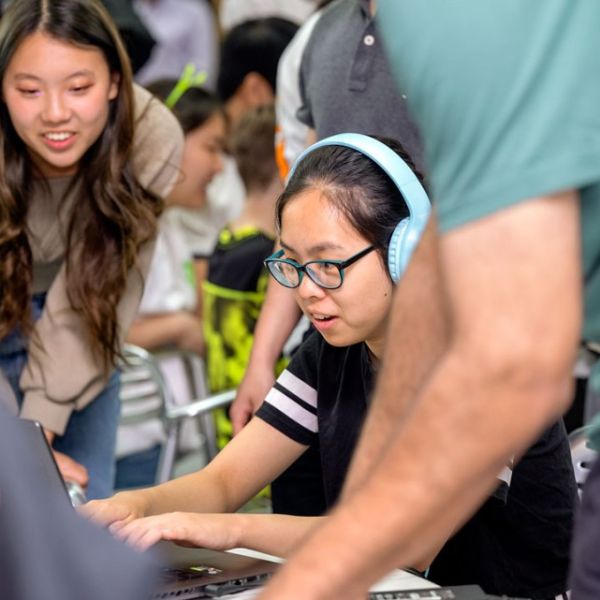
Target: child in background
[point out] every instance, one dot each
(169, 316)
(237, 280)
(234, 294)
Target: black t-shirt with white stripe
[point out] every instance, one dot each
(516, 544)
(342, 380)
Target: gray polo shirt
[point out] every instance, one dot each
(345, 81)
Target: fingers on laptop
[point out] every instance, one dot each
(106, 512)
(186, 529)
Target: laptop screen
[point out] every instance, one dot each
(45, 467)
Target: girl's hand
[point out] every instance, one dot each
(214, 531)
(70, 469)
(122, 508)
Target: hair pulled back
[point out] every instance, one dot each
(356, 187)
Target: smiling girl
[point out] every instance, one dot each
(336, 220)
(84, 161)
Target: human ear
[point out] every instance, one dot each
(113, 90)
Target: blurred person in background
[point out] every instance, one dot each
(247, 79)
(169, 317)
(185, 32)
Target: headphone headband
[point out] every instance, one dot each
(419, 207)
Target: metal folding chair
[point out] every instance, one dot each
(146, 396)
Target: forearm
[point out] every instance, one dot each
(156, 331)
(279, 535)
(200, 492)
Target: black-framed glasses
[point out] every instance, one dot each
(328, 274)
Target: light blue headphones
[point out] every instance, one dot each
(408, 232)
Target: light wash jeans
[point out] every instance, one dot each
(91, 433)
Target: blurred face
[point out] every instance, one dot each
(57, 95)
(312, 229)
(202, 160)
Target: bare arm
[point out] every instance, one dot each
(278, 317)
(238, 472)
(513, 282)
(181, 329)
(274, 534)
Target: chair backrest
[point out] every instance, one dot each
(144, 392)
(144, 398)
(582, 456)
(148, 399)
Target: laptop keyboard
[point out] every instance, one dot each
(171, 575)
(198, 589)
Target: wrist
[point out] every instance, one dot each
(262, 361)
(136, 501)
(240, 535)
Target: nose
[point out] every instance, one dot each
(309, 289)
(56, 109)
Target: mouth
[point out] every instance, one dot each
(58, 140)
(321, 317)
(322, 321)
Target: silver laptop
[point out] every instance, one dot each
(184, 573)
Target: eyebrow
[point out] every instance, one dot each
(81, 73)
(314, 249)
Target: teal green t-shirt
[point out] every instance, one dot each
(507, 97)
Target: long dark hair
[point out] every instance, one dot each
(114, 215)
(356, 187)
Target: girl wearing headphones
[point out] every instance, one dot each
(348, 220)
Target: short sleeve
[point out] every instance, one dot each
(291, 404)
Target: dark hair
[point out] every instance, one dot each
(356, 186)
(195, 106)
(252, 46)
(253, 147)
(114, 215)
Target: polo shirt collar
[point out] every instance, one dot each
(365, 7)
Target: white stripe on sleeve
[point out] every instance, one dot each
(298, 387)
(292, 409)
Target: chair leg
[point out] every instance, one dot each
(168, 454)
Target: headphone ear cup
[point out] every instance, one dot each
(395, 250)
